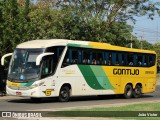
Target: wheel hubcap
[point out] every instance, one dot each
(64, 94)
(129, 92)
(137, 91)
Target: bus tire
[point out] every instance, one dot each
(64, 94)
(137, 91)
(128, 91)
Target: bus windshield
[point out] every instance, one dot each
(23, 64)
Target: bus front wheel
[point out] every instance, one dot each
(128, 92)
(64, 94)
(137, 91)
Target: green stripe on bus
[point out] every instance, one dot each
(26, 84)
(78, 45)
(90, 77)
(101, 77)
(95, 77)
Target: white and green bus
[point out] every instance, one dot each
(65, 68)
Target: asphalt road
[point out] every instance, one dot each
(9, 103)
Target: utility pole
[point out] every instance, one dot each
(141, 42)
(131, 40)
(157, 32)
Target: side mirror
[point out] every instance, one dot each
(3, 58)
(39, 57)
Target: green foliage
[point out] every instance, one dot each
(14, 24)
(113, 10)
(83, 22)
(102, 21)
(130, 111)
(9, 23)
(156, 47)
(146, 45)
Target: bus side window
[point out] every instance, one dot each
(74, 57)
(135, 60)
(66, 59)
(97, 57)
(144, 60)
(115, 58)
(100, 58)
(120, 61)
(126, 61)
(57, 50)
(130, 59)
(79, 56)
(47, 66)
(151, 60)
(86, 56)
(106, 58)
(110, 59)
(140, 60)
(94, 57)
(123, 60)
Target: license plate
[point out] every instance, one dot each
(18, 93)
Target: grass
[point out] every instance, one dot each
(133, 107)
(125, 112)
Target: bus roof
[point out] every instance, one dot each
(77, 43)
(42, 43)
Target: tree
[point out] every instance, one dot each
(94, 13)
(13, 24)
(92, 20)
(156, 47)
(9, 16)
(1, 25)
(112, 10)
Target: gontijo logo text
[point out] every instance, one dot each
(118, 71)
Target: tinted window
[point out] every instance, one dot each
(107, 57)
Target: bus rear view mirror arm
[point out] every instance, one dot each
(39, 57)
(3, 58)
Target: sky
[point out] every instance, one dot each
(147, 29)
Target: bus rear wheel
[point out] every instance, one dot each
(64, 94)
(137, 91)
(128, 91)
